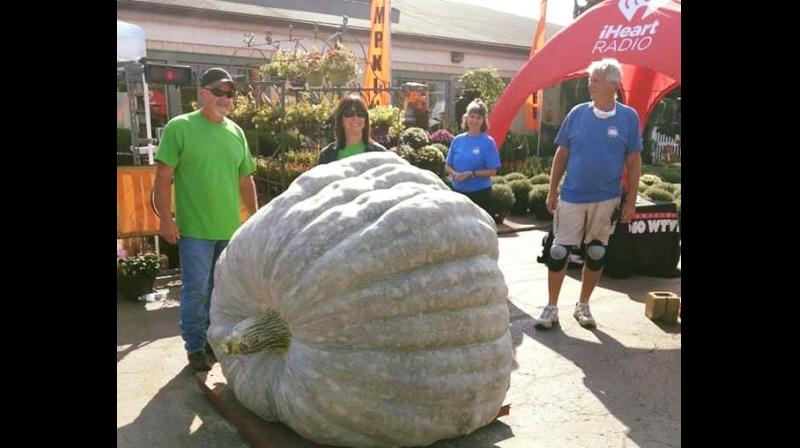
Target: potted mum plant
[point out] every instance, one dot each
(136, 274)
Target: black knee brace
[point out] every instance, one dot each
(558, 257)
(595, 255)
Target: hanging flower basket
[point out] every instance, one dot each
(340, 64)
(314, 79)
(338, 78)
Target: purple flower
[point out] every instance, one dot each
(122, 253)
(442, 136)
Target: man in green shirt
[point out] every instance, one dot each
(207, 155)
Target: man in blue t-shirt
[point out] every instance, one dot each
(597, 142)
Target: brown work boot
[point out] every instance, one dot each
(212, 358)
(199, 362)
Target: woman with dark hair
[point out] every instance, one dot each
(473, 158)
(351, 123)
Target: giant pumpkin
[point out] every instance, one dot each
(364, 307)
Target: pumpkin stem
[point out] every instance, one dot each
(266, 330)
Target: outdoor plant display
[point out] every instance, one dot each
(442, 148)
(312, 63)
(144, 264)
(301, 125)
(340, 65)
(658, 194)
(385, 124)
(136, 274)
(521, 189)
(649, 179)
(341, 311)
(666, 186)
(415, 137)
(502, 201)
(541, 178)
(486, 81)
(442, 136)
(537, 201)
(402, 150)
(284, 65)
(428, 158)
(308, 119)
(514, 176)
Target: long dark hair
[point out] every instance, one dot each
(350, 102)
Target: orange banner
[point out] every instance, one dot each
(377, 71)
(533, 105)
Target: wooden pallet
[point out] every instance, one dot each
(260, 433)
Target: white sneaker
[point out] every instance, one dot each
(548, 318)
(584, 315)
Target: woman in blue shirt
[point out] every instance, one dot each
(473, 158)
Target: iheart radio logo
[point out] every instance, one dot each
(628, 8)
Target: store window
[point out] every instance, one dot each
(436, 99)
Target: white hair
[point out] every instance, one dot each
(610, 67)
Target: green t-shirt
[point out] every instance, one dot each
(351, 150)
(209, 158)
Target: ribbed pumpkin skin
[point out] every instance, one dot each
(397, 308)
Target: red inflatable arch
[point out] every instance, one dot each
(645, 36)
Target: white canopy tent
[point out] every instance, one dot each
(130, 42)
(131, 47)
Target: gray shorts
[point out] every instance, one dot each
(576, 223)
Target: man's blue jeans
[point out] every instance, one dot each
(197, 276)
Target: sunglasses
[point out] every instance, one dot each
(352, 113)
(219, 92)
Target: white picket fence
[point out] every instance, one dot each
(665, 148)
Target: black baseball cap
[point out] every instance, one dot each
(214, 75)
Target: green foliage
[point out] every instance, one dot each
(658, 195)
(537, 201)
(442, 148)
(284, 65)
(340, 65)
(521, 189)
(428, 158)
(541, 178)
(669, 173)
(385, 124)
(667, 186)
(414, 137)
(515, 176)
(402, 150)
(486, 81)
(502, 201)
(649, 179)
